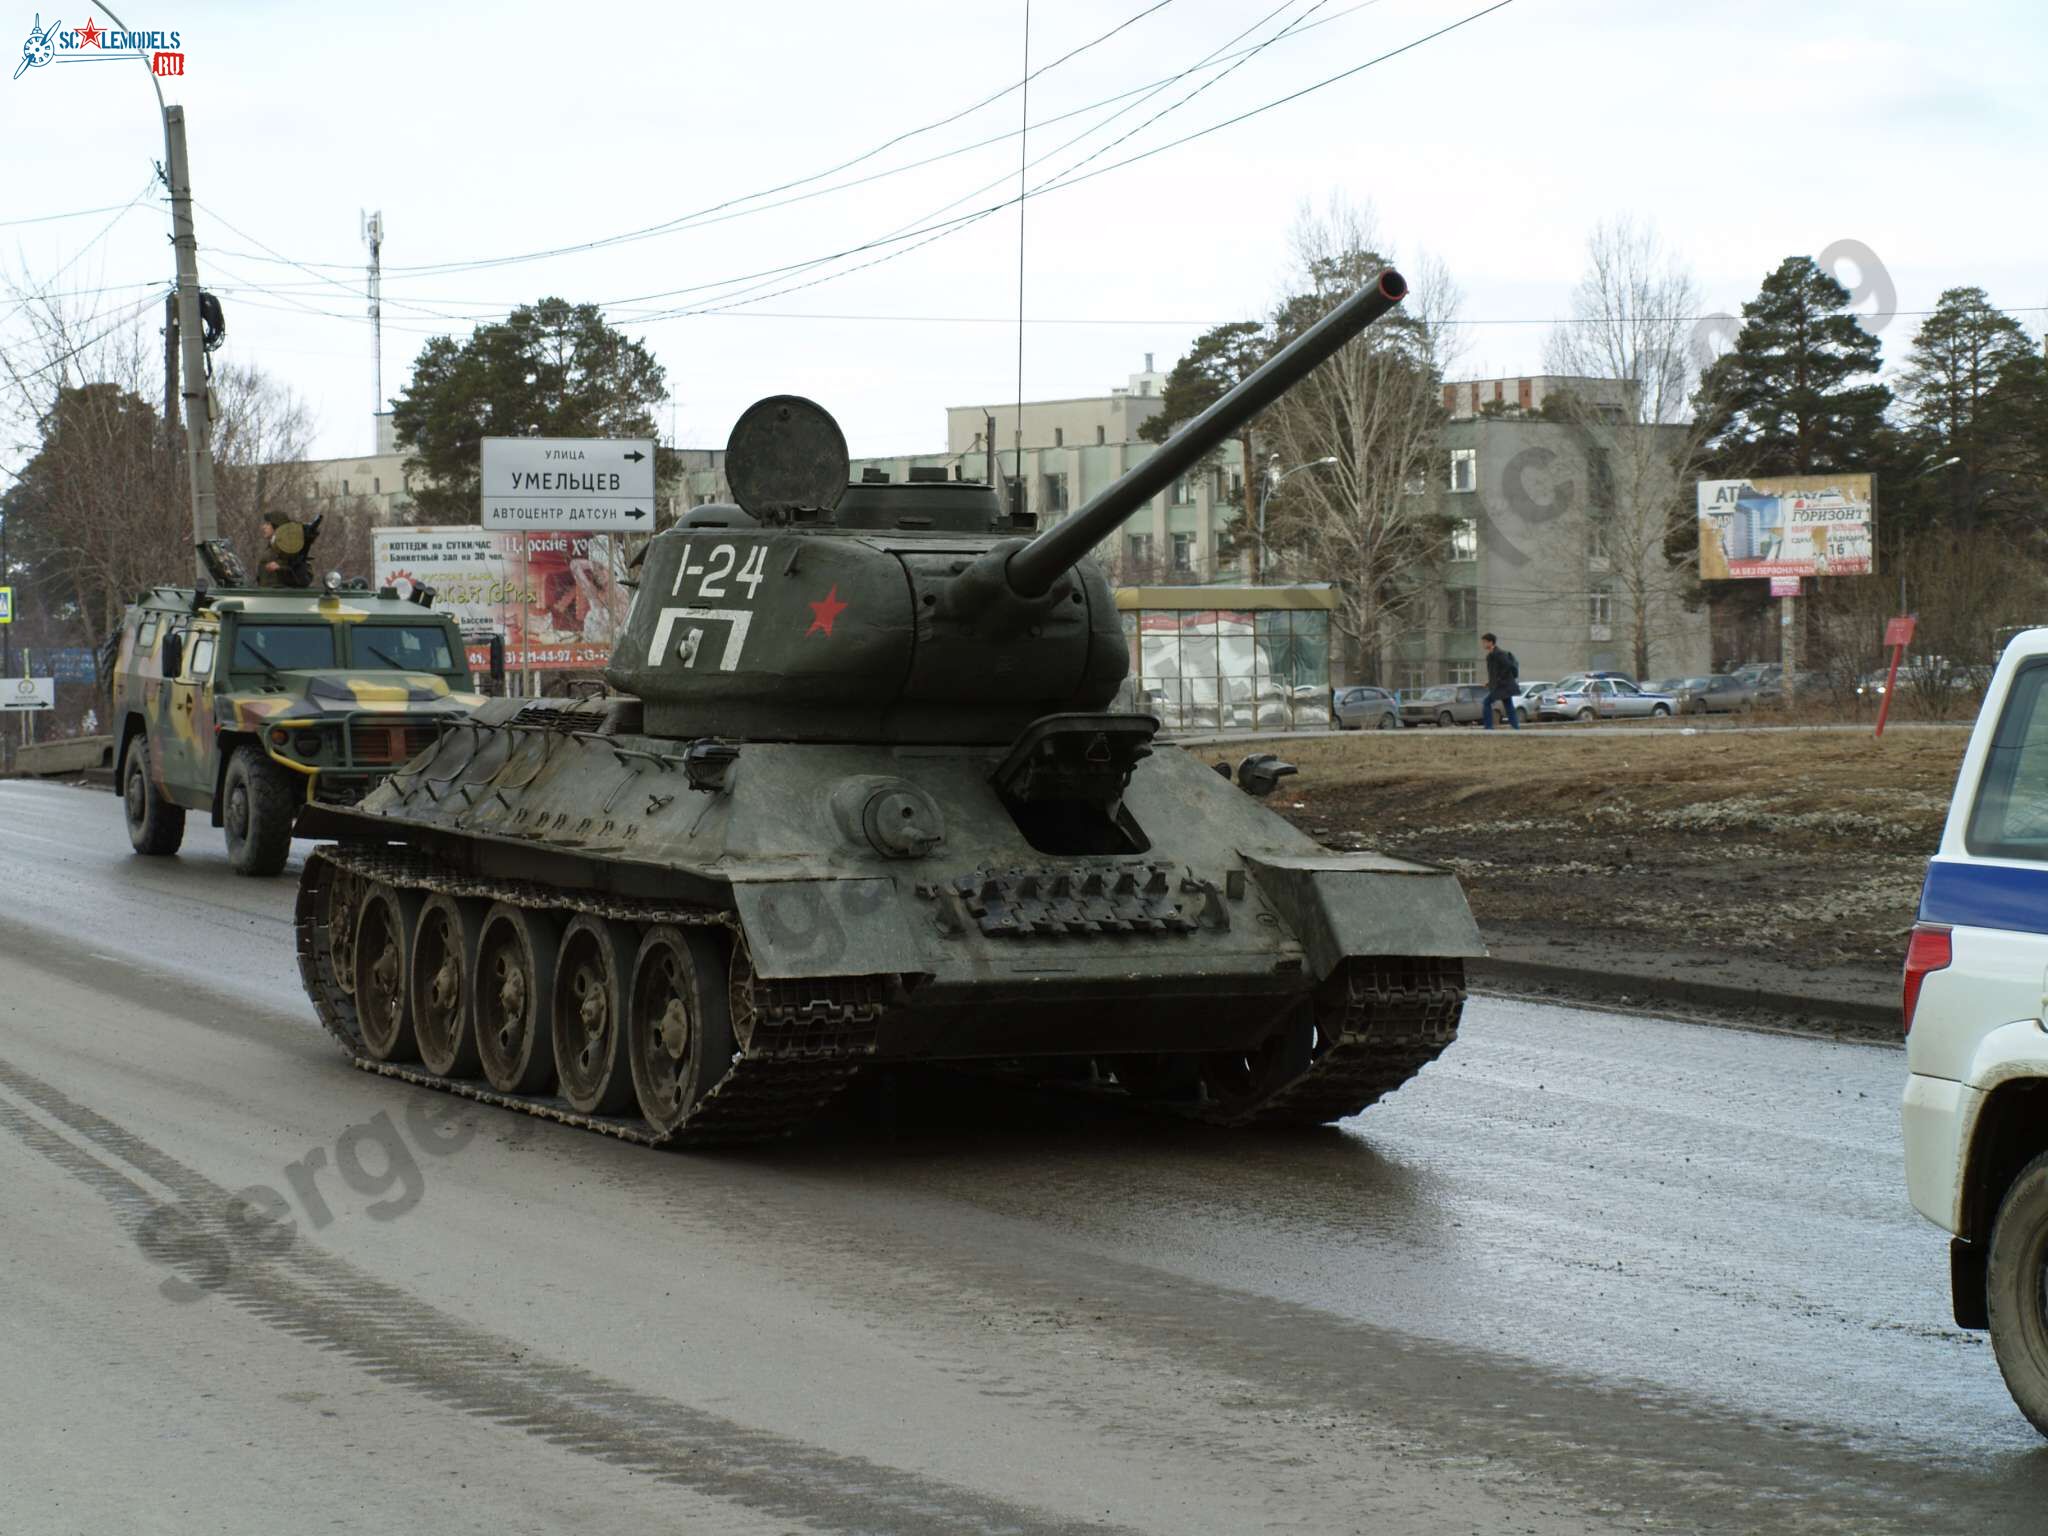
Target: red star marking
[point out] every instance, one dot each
(824, 611)
(88, 35)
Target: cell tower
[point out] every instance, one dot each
(373, 237)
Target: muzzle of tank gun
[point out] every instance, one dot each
(1029, 570)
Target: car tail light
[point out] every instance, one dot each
(1929, 949)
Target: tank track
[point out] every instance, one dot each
(1380, 1021)
(803, 1041)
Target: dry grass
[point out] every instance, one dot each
(1808, 845)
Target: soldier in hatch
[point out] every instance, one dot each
(286, 560)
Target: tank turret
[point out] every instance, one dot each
(907, 612)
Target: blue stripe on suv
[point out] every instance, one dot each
(1985, 896)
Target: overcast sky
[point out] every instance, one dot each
(1744, 131)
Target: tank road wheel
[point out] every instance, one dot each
(591, 969)
(384, 933)
(155, 826)
(1236, 1081)
(344, 897)
(2016, 1290)
(513, 982)
(443, 961)
(259, 804)
(679, 1022)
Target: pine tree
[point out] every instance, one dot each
(550, 369)
(1785, 400)
(1962, 352)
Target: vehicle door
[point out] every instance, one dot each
(1626, 700)
(184, 736)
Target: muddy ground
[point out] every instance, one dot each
(1783, 861)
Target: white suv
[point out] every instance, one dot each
(1976, 998)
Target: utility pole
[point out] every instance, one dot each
(191, 344)
(373, 237)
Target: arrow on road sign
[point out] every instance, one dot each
(635, 456)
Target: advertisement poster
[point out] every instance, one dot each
(557, 598)
(1785, 525)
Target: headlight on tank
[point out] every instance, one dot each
(307, 743)
(279, 736)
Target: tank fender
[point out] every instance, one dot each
(1342, 905)
(851, 927)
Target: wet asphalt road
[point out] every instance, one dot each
(1589, 1272)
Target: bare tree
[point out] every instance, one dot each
(1376, 408)
(100, 511)
(1630, 322)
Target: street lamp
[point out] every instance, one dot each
(1273, 477)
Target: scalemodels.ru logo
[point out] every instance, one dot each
(91, 43)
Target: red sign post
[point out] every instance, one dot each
(1898, 634)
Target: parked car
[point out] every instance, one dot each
(1445, 704)
(1525, 701)
(1721, 694)
(1610, 698)
(1547, 706)
(1975, 1139)
(1362, 708)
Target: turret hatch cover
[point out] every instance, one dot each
(786, 455)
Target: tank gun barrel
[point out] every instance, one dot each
(1034, 568)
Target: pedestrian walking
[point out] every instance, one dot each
(1503, 677)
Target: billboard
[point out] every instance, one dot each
(559, 599)
(1785, 525)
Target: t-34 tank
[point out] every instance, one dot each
(859, 797)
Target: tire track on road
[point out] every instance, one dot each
(327, 1302)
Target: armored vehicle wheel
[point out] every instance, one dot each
(514, 981)
(1234, 1082)
(257, 806)
(591, 971)
(155, 826)
(443, 963)
(678, 1023)
(385, 926)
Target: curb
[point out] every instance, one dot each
(1859, 1014)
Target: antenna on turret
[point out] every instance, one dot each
(1023, 140)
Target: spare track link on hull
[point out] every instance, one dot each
(1387, 1020)
(760, 1097)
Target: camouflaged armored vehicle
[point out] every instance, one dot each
(860, 798)
(249, 704)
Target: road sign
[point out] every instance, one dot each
(1898, 634)
(578, 484)
(1899, 631)
(19, 693)
(6, 605)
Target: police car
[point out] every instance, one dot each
(1976, 1019)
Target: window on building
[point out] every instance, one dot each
(1101, 436)
(1416, 484)
(1059, 437)
(1600, 475)
(1233, 485)
(1461, 608)
(1183, 492)
(1600, 603)
(1052, 495)
(1464, 469)
(1184, 552)
(1465, 672)
(376, 485)
(1414, 675)
(344, 487)
(1598, 549)
(1464, 540)
(1138, 550)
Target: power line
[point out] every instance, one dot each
(730, 209)
(76, 213)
